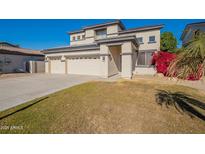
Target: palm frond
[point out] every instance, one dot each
(190, 59)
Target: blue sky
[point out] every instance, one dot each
(43, 33)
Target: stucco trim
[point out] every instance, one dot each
(133, 39)
(110, 34)
(144, 66)
(127, 53)
(54, 57)
(76, 31)
(114, 44)
(77, 40)
(149, 50)
(105, 54)
(81, 55)
(106, 24)
(103, 25)
(140, 29)
(72, 49)
(89, 37)
(85, 55)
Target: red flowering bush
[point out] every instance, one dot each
(162, 60)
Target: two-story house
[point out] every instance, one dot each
(105, 50)
(190, 31)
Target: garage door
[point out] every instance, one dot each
(57, 66)
(84, 65)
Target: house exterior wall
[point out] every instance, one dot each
(82, 62)
(127, 64)
(112, 31)
(80, 53)
(106, 63)
(145, 35)
(16, 62)
(146, 46)
(145, 70)
(113, 63)
(81, 41)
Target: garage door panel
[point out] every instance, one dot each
(57, 67)
(84, 66)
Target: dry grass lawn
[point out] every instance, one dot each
(111, 107)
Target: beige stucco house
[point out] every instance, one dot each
(105, 50)
(13, 58)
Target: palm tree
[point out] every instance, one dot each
(190, 59)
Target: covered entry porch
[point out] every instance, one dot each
(118, 56)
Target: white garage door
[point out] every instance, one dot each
(57, 67)
(84, 65)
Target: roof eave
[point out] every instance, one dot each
(76, 32)
(98, 25)
(141, 29)
(70, 49)
(106, 24)
(187, 27)
(118, 39)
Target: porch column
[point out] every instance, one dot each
(127, 60)
(104, 55)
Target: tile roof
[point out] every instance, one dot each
(19, 51)
(190, 25)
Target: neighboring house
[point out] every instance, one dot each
(105, 50)
(190, 30)
(14, 58)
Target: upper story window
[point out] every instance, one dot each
(100, 34)
(78, 37)
(73, 38)
(152, 39)
(140, 40)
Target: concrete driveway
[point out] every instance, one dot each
(17, 90)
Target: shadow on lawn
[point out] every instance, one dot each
(23, 108)
(181, 101)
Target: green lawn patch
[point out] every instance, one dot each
(111, 107)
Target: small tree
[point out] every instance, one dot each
(168, 42)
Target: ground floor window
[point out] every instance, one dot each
(144, 58)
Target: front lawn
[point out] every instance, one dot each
(111, 107)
